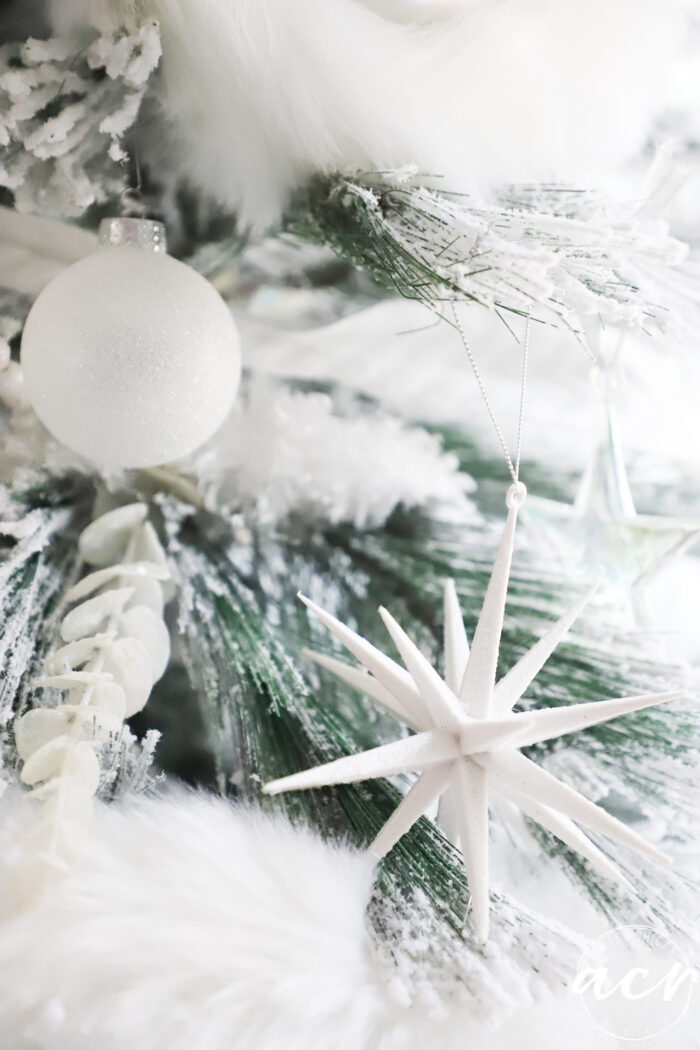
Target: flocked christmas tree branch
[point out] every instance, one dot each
(39, 562)
(64, 115)
(242, 635)
(263, 718)
(555, 253)
(244, 661)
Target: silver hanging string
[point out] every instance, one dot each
(521, 408)
(514, 468)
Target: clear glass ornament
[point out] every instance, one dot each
(130, 357)
(601, 533)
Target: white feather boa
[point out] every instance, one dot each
(189, 926)
(264, 92)
(192, 925)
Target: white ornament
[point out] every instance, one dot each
(130, 357)
(116, 648)
(467, 741)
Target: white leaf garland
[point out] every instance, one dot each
(116, 647)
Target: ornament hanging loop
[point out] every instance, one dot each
(131, 202)
(515, 496)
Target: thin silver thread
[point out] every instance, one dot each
(514, 468)
(521, 409)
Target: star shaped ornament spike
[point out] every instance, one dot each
(467, 741)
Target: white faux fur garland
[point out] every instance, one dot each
(262, 93)
(193, 925)
(189, 926)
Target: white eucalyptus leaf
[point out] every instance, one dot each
(90, 616)
(47, 762)
(107, 697)
(74, 654)
(69, 681)
(143, 623)
(82, 769)
(38, 727)
(149, 592)
(87, 723)
(123, 574)
(129, 663)
(105, 540)
(147, 547)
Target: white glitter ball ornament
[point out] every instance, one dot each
(130, 357)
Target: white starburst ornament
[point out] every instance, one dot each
(467, 741)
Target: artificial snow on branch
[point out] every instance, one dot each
(64, 113)
(242, 634)
(259, 711)
(116, 647)
(551, 252)
(329, 458)
(284, 453)
(38, 563)
(14, 307)
(27, 450)
(466, 740)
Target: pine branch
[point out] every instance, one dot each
(40, 560)
(14, 307)
(264, 722)
(552, 252)
(63, 117)
(243, 632)
(268, 712)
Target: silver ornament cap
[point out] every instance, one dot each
(139, 233)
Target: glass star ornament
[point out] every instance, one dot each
(467, 741)
(602, 531)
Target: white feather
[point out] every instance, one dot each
(262, 93)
